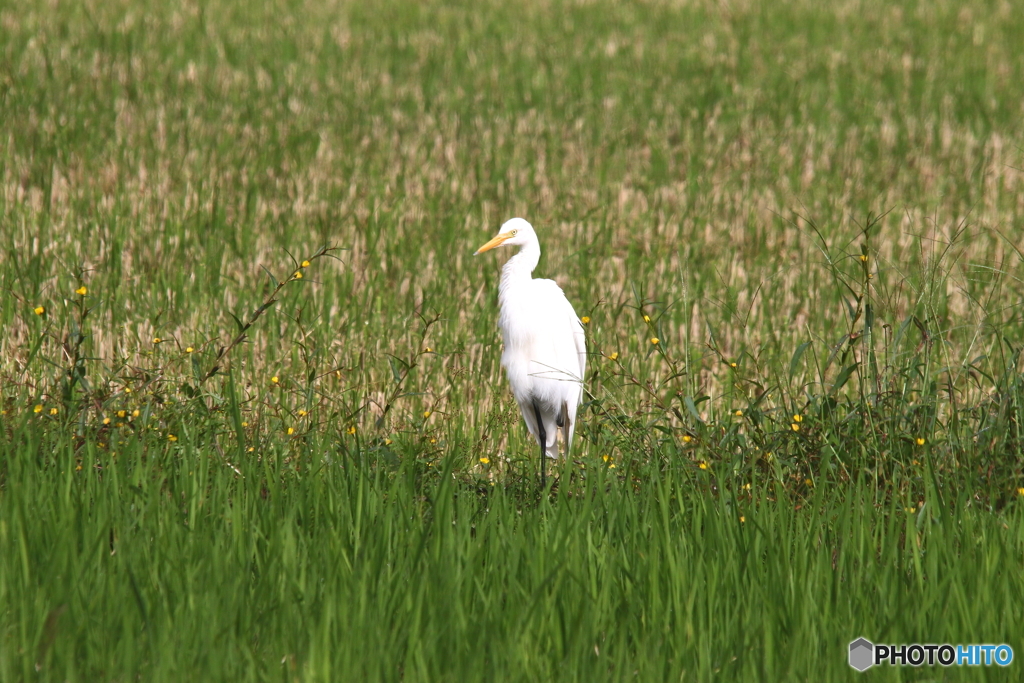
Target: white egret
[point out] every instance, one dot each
(545, 354)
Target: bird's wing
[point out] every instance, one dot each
(567, 323)
(571, 352)
(580, 338)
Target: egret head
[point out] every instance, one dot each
(516, 232)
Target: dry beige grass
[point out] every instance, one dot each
(169, 155)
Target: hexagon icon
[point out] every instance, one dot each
(862, 654)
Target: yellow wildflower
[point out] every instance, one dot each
(655, 341)
(703, 465)
(189, 349)
(647, 318)
(305, 264)
(274, 379)
(38, 408)
(82, 291)
(351, 430)
(157, 340)
(485, 460)
(290, 431)
(920, 441)
(738, 413)
(53, 411)
(297, 275)
(614, 355)
(172, 437)
(585, 319)
(426, 414)
(39, 310)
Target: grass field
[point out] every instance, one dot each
(254, 425)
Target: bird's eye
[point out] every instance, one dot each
(514, 232)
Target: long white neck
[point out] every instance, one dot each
(519, 268)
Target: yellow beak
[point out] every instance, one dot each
(496, 242)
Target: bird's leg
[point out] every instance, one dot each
(563, 422)
(543, 439)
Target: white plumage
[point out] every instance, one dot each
(545, 354)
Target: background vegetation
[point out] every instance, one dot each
(254, 425)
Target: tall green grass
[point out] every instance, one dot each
(160, 563)
(252, 419)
